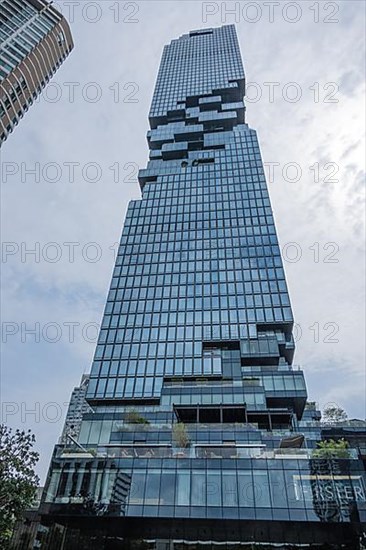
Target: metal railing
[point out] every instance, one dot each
(205, 451)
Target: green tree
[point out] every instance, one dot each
(332, 449)
(134, 417)
(180, 435)
(333, 414)
(18, 481)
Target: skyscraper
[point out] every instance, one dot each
(35, 40)
(196, 435)
(78, 406)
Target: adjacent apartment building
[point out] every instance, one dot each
(34, 41)
(198, 434)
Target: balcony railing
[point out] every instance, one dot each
(343, 424)
(205, 451)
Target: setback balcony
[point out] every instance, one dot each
(199, 451)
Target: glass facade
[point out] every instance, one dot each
(197, 411)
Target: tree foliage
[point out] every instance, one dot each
(134, 417)
(180, 435)
(18, 481)
(333, 414)
(332, 449)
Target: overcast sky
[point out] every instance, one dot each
(304, 70)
